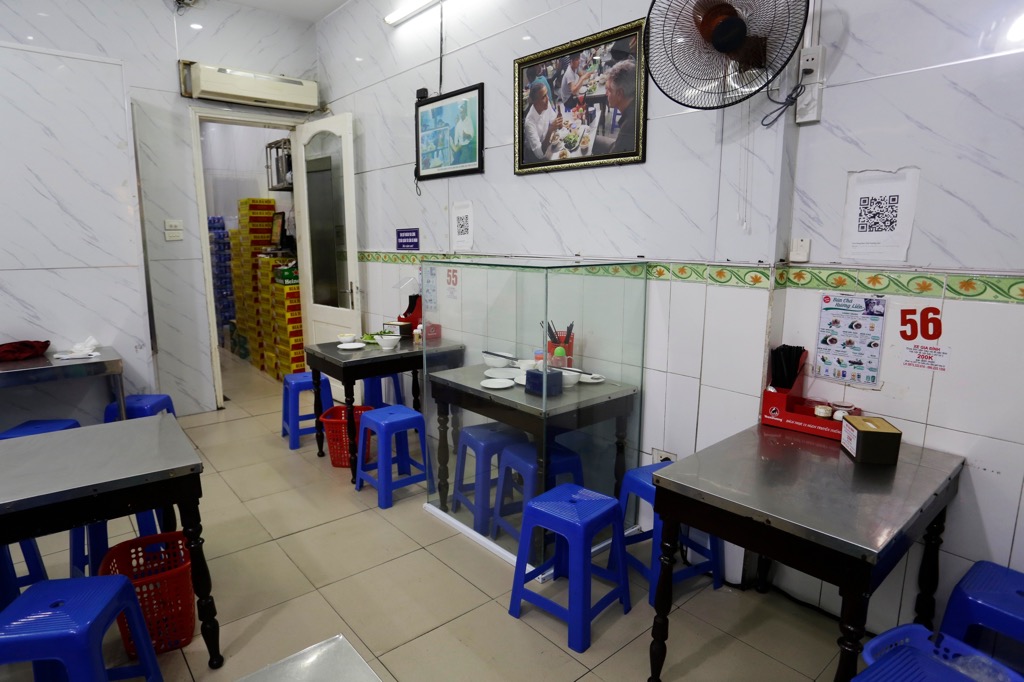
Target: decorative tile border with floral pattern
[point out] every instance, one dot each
(998, 288)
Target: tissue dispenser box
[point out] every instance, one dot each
(535, 382)
(870, 440)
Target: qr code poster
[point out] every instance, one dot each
(879, 218)
(462, 226)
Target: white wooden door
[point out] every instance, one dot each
(325, 222)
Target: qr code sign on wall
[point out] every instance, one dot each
(878, 214)
(462, 225)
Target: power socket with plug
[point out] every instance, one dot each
(812, 69)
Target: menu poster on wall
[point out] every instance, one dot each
(849, 343)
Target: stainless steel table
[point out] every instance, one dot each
(798, 499)
(62, 480)
(38, 370)
(329, 661)
(349, 366)
(576, 408)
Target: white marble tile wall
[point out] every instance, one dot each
(70, 187)
(467, 22)
(386, 200)
(957, 124)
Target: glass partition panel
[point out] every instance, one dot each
(326, 198)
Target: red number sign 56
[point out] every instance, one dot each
(928, 325)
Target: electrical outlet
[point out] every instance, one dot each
(174, 225)
(663, 455)
(800, 251)
(812, 72)
(174, 235)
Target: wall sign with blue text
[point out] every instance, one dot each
(407, 239)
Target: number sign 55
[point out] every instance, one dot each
(928, 324)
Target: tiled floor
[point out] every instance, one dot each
(298, 556)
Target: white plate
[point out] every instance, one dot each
(591, 379)
(352, 346)
(520, 379)
(503, 372)
(497, 383)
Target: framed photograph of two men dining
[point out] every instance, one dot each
(582, 104)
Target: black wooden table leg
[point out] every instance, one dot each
(192, 527)
(168, 519)
(442, 455)
(620, 453)
(852, 620)
(928, 574)
(416, 390)
(663, 598)
(350, 419)
(318, 409)
(764, 565)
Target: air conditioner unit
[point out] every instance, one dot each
(200, 81)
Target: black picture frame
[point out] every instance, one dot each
(443, 147)
(614, 135)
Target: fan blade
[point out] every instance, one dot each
(752, 54)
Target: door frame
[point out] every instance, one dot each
(197, 115)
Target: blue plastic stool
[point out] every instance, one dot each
(87, 552)
(59, 626)
(640, 482)
(294, 384)
(522, 457)
(909, 650)
(10, 582)
(373, 391)
(391, 422)
(988, 595)
(34, 427)
(136, 406)
(486, 441)
(575, 515)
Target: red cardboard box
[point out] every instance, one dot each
(789, 409)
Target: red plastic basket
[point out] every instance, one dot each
(160, 569)
(567, 345)
(335, 422)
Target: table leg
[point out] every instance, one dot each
(620, 452)
(928, 574)
(350, 425)
(168, 519)
(442, 455)
(192, 527)
(416, 390)
(663, 598)
(852, 620)
(764, 564)
(117, 388)
(318, 409)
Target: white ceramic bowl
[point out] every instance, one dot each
(387, 341)
(495, 361)
(526, 364)
(346, 338)
(569, 379)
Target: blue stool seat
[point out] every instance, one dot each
(36, 426)
(913, 652)
(905, 663)
(522, 457)
(575, 515)
(391, 423)
(640, 482)
(294, 385)
(59, 626)
(142, 405)
(989, 595)
(373, 391)
(486, 441)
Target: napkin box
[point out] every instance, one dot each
(535, 382)
(870, 440)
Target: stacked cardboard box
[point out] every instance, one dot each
(255, 222)
(265, 308)
(288, 340)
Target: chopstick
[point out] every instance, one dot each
(506, 356)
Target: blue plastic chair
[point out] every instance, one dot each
(522, 457)
(486, 441)
(575, 515)
(34, 427)
(294, 385)
(989, 595)
(913, 652)
(59, 626)
(142, 405)
(373, 391)
(640, 482)
(391, 423)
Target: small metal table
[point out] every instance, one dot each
(576, 408)
(798, 499)
(62, 480)
(349, 366)
(42, 369)
(331, 660)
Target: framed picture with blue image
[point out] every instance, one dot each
(450, 134)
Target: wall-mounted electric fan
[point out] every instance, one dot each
(708, 54)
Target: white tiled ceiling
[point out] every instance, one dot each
(308, 10)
